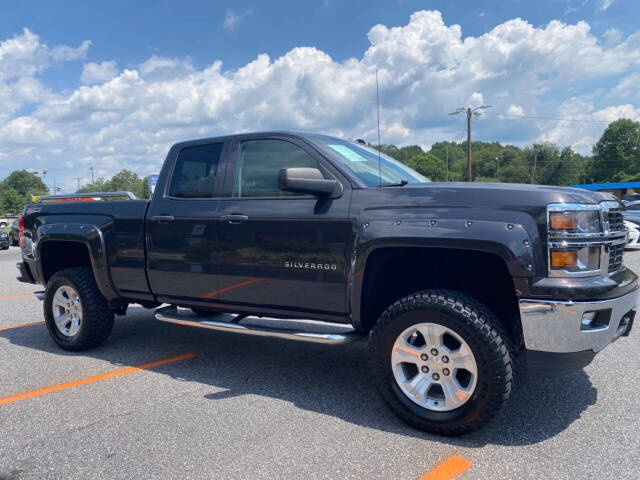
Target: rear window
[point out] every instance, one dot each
(195, 173)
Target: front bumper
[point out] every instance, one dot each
(556, 326)
(4, 242)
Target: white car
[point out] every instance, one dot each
(633, 234)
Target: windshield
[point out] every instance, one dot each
(363, 161)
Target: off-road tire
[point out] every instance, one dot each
(97, 318)
(482, 332)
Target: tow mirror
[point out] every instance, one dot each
(306, 180)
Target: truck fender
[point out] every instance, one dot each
(512, 242)
(88, 235)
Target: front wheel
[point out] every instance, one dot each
(76, 314)
(441, 362)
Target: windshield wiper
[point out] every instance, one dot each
(401, 183)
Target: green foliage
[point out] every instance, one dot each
(124, 180)
(17, 189)
(616, 156)
(428, 165)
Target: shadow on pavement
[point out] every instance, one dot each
(331, 380)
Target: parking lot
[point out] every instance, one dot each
(215, 405)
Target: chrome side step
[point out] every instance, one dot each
(39, 295)
(308, 331)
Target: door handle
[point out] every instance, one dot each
(235, 218)
(162, 218)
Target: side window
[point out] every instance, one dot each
(194, 175)
(260, 162)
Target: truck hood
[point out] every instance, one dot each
(486, 196)
(507, 193)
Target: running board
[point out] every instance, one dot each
(39, 295)
(333, 334)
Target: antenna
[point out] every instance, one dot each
(378, 109)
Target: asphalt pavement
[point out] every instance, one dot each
(208, 404)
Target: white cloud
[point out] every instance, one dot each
(233, 19)
(612, 37)
(93, 73)
(426, 70)
(605, 4)
(515, 110)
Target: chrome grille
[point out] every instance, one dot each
(616, 221)
(616, 253)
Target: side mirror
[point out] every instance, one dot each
(306, 180)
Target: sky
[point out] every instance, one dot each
(112, 85)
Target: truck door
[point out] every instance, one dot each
(281, 251)
(181, 224)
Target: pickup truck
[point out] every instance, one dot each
(314, 238)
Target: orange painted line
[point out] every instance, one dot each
(9, 297)
(231, 287)
(450, 468)
(11, 327)
(97, 378)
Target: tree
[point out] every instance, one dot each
(428, 165)
(25, 183)
(10, 200)
(616, 156)
(17, 189)
(124, 180)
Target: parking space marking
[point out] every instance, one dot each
(96, 378)
(450, 468)
(19, 295)
(22, 325)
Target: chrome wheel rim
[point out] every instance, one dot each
(434, 367)
(67, 310)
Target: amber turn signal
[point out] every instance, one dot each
(564, 259)
(563, 221)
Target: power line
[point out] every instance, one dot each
(550, 118)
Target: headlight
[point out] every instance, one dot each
(575, 221)
(575, 260)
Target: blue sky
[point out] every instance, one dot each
(113, 84)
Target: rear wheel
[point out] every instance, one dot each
(76, 314)
(441, 362)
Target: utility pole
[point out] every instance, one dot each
(533, 172)
(446, 164)
(476, 112)
(497, 168)
(78, 179)
(92, 170)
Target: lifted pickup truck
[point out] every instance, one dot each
(449, 281)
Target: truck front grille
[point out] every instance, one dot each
(616, 253)
(616, 221)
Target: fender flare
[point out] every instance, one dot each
(92, 238)
(511, 242)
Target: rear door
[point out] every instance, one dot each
(181, 224)
(279, 250)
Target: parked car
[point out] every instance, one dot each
(633, 234)
(14, 233)
(3, 222)
(4, 240)
(447, 281)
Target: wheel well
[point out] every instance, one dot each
(58, 255)
(392, 273)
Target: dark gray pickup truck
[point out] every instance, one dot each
(251, 233)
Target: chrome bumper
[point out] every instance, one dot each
(553, 326)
